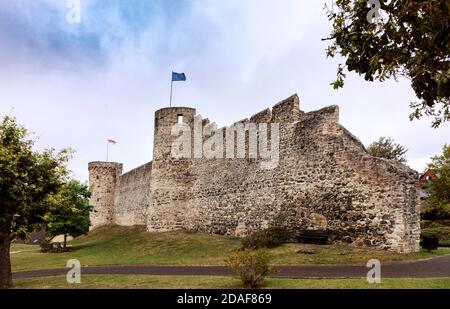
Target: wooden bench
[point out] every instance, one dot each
(318, 237)
(430, 242)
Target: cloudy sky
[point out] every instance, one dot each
(77, 84)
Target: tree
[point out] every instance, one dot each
(27, 180)
(438, 201)
(388, 149)
(69, 214)
(412, 39)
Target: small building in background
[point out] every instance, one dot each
(425, 179)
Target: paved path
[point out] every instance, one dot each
(437, 267)
(20, 251)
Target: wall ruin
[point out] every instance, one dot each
(325, 179)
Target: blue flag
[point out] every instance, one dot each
(177, 77)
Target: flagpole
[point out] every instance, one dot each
(171, 88)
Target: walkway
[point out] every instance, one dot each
(436, 267)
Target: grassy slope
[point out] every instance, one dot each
(188, 282)
(133, 245)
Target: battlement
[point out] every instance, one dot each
(170, 115)
(329, 113)
(165, 119)
(105, 165)
(262, 116)
(287, 110)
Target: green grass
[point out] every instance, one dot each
(345, 254)
(16, 248)
(116, 245)
(192, 282)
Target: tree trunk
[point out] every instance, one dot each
(5, 261)
(5, 245)
(65, 241)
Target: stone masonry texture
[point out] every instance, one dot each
(325, 180)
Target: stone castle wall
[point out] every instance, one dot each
(133, 196)
(325, 179)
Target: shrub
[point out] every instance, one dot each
(435, 212)
(268, 238)
(46, 245)
(252, 266)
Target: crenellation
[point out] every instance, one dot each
(242, 121)
(264, 116)
(287, 111)
(205, 122)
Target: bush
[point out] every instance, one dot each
(52, 247)
(46, 245)
(268, 238)
(435, 212)
(252, 266)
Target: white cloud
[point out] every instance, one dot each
(240, 57)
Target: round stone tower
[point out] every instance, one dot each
(103, 178)
(165, 118)
(171, 178)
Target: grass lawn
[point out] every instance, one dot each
(191, 282)
(17, 248)
(116, 245)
